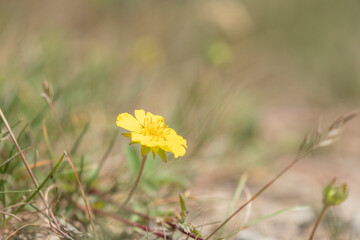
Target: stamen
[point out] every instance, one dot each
(155, 129)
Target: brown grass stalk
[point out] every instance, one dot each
(69, 158)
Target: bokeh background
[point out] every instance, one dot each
(242, 81)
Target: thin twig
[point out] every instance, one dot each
(88, 209)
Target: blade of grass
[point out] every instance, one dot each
(47, 142)
(290, 209)
(4, 133)
(20, 191)
(82, 162)
(88, 209)
(103, 160)
(235, 198)
(262, 218)
(21, 133)
(43, 182)
(79, 139)
(14, 156)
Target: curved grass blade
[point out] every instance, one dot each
(20, 191)
(103, 160)
(236, 197)
(17, 154)
(262, 218)
(4, 133)
(47, 142)
(18, 138)
(79, 139)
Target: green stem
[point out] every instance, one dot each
(326, 206)
(137, 181)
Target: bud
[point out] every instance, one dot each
(47, 88)
(334, 195)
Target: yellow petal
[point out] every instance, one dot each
(174, 143)
(154, 117)
(145, 140)
(128, 122)
(126, 134)
(177, 150)
(172, 138)
(140, 116)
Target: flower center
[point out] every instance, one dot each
(155, 128)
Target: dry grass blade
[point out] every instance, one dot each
(13, 233)
(10, 214)
(88, 209)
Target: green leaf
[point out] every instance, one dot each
(144, 150)
(183, 206)
(162, 155)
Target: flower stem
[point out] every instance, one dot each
(137, 181)
(326, 206)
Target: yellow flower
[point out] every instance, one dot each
(152, 133)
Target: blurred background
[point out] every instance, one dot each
(242, 81)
